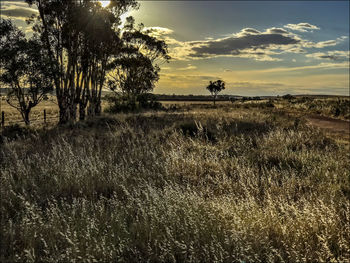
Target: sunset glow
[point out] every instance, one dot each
(105, 3)
(270, 54)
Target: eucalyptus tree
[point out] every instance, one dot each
(134, 76)
(102, 43)
(135, 69)
(25, 69)
(80, 37)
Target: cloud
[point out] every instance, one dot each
(260, 84)
(14, 3)
(268, 71)
(327, 43)
(188, 78)
(302, 27)
(182, 83)
(247, 31)
(17, 10)
(248, 43)
(276, 30)
(302, 68)
(162, 33)
(335, 55)
(158, 32)
(241, 45)
(23, 13)
(189, 67)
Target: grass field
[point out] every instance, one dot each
(235, 183)
(335, 107)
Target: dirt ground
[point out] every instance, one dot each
(334, 127)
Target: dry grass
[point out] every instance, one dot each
(194, 185)
(13, 116)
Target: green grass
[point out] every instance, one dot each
(203, 185)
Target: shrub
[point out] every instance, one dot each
(126, 103)
(288, 97)
(270, 104)
(13, 132)
(196, 129)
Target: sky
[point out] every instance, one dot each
(256, 47)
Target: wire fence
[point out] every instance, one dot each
(37, 120)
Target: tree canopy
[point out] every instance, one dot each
(25, 69)
(83, 47)
(215, 87)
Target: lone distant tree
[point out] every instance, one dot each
(215, 88)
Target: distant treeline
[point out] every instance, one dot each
(164, 97)
(174, 97)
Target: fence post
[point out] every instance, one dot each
(45, 116)
(3, 119)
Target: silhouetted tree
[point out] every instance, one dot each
(79, 37)
(25, 69)
(135, 70)
(134, 76)
(103, 42)
(215, 87)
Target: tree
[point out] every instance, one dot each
(215, 88)
(79, 37)
(24, 69)
(134, 71)
(134, 76)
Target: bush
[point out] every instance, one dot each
(270, 104)
(288, 97)
(126, 103)
(196, 129)
(149, 101)
(341, 108)
(13, 132)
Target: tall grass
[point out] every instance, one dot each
(333, 107)
(202, 186)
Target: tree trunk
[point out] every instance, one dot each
(98, 108)
(73, 112)
(66, 110)
(64, 116)
(91, 109)
(26, 117)
(82, 112)
(94, 108)
(214, 98)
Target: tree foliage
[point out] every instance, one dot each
(80, 38)
(135, 70)
(215, 87)
(25, 69)
(82, 42)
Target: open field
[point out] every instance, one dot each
(325, 106)
(197, 184)
(12, 116)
